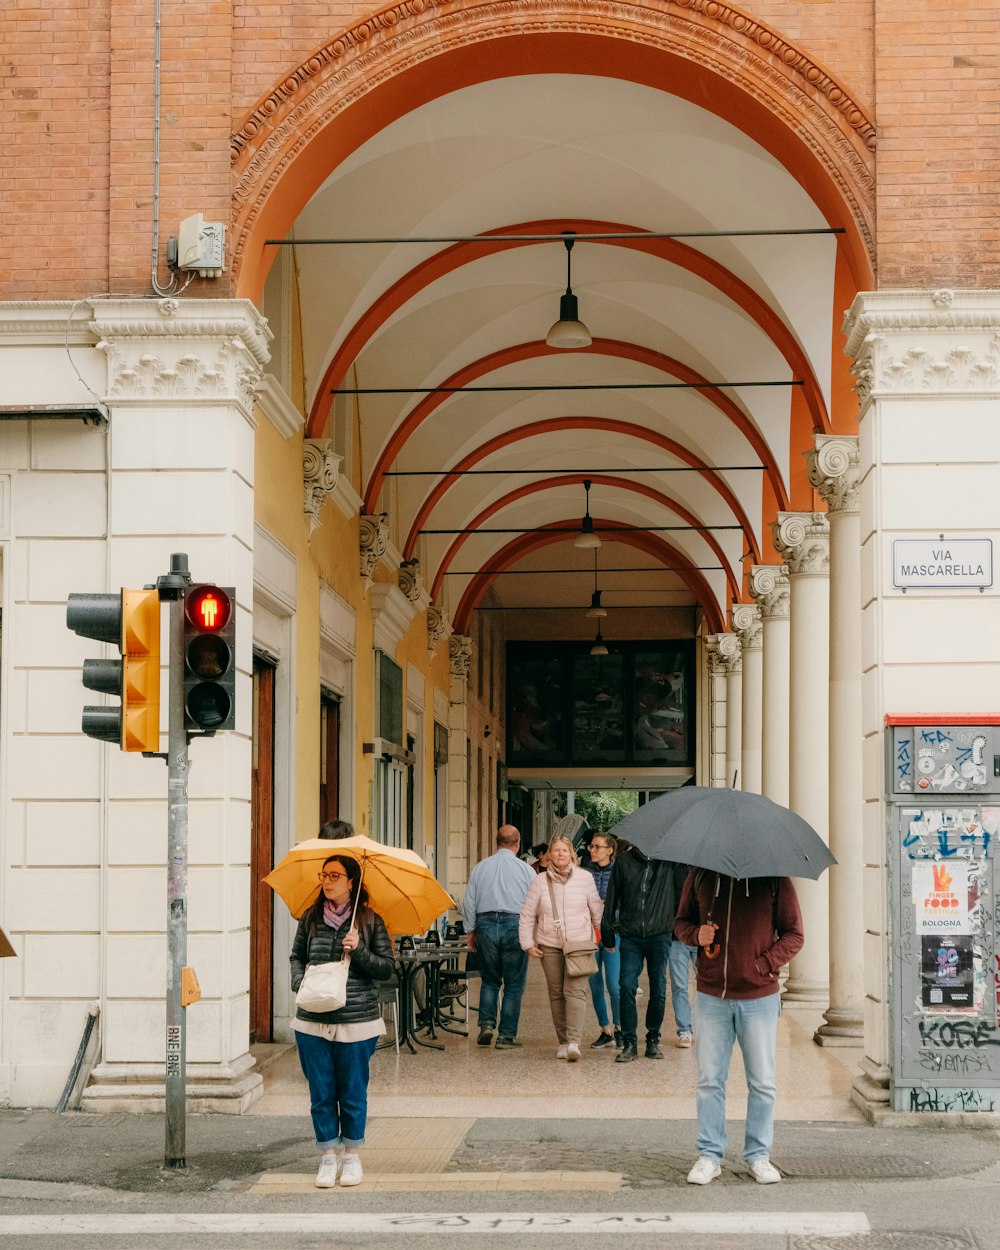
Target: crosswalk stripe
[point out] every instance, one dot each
(778, 1223)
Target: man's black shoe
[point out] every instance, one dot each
(619, 1040)
(485, 1035)
(627, 1053)
(508, 1043)
(653, 1049)
(603, 1039)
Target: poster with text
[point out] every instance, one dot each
(946, 971)
(941, 896)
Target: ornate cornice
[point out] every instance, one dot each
(769, 587)
(392, 615)
(174, 349)
(924, 342)
(437, 626)
(835, 471)
(459, 655)
(802, 539)
(799, 92)
(746, 621)
(372, 538)
(320, 473)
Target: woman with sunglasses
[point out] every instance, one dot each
(335, 1047)
(603, 848)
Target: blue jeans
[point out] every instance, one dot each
(680, 961)
(608, 963)
(753, 1022)
(655, 951)
(337, 1073)
(501, 962)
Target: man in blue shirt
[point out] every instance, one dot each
(492, 906)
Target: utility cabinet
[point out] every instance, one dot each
(943, 803)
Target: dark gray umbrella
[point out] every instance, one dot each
(730, 831)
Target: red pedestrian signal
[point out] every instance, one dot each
(209, 658)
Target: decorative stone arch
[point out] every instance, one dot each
(708, 52)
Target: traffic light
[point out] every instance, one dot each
(209, 658)
(130, 620)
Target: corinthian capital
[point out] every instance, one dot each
(372, 540)
(437, 626)
(769, 587)
(834, 470)
(459, 655)
(802, 539)
(408, 578)
(320, 474)
(725, 654)
(746, 622)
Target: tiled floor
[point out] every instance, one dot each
(468, 1081)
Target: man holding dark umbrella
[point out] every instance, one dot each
(746, 930)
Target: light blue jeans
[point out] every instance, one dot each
(753, 1022)
(608, 964)
(679, 964)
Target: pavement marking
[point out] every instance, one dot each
(777, 1223)
(443, 1182)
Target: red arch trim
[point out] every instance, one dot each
(605, 424)
(671, 250)
(599, 479)
(601, 347)
(524, 544)
(583, 423)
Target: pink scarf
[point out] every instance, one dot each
(334, 916)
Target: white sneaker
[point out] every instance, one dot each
(326, 1177)
(351, 1173)
(562, 1052)
(764, 1172)
(572, 1052)
(704, 1171)
(684, 1041)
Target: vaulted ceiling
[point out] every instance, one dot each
(684, 476)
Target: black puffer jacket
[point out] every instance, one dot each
(371, 962)
(643, 895)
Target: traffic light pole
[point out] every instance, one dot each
(172, 587)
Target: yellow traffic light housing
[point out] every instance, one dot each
(140, 647)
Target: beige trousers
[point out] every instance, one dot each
(567, 996)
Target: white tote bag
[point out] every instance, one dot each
(324, 986)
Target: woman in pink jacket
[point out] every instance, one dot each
(578, 909)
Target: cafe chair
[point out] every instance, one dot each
(388, 996)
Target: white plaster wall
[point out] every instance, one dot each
(83, 832)
(930, 454)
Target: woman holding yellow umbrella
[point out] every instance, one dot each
(335, 1047)
(323, 882)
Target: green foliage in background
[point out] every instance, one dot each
(604, 808)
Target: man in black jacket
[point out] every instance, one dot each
(642, 899)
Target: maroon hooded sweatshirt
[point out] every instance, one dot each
(760, 929)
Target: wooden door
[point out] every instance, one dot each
(261, 852)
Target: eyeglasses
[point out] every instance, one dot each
(600, 846)
(331, 876)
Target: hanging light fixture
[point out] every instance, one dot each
(598, 648)
(569, 331)
(596, 610)
(587, 539)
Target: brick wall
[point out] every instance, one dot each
(76, 110)
(938, 164)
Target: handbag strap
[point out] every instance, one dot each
(555, 912)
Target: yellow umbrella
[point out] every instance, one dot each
(400, 886)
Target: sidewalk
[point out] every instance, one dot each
(469, 1116)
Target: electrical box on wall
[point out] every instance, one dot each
(943, 808)
(199, 247)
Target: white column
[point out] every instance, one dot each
(732, 659)
(717, 705)
(769, 586)
(180, 387)
(802, 539)
(833, 470)
(746, 621)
